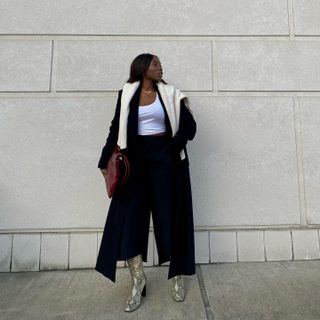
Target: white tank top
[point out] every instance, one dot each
(151, 118)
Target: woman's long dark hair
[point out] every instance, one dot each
(139, 66)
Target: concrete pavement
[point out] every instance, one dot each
(224, 291)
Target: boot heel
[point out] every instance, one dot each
(144, 291)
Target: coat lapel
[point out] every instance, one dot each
(128, 91)
(166, 92)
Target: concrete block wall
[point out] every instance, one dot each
(251, 70)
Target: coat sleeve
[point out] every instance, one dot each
(112, 137)
(187, 129)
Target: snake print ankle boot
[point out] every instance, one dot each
(177, 288)
(138, 280)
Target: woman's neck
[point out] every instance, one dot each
(148, 85)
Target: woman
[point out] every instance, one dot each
(151, 125)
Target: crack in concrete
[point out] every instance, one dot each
(206, 303)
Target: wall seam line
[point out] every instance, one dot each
(40, 249)
(300, 163)
(292, 247)
(291, 26)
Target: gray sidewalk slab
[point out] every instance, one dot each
(226, 291)
(263, 290)
(86, 294)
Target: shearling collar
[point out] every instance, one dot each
(171, 98)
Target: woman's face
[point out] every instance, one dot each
(154, 72)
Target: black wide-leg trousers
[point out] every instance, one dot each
(150, 188)
(159, 184)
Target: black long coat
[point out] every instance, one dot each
(182, 251)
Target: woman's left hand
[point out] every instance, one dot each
(104, 172)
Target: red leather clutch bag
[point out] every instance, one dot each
(117, 171)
